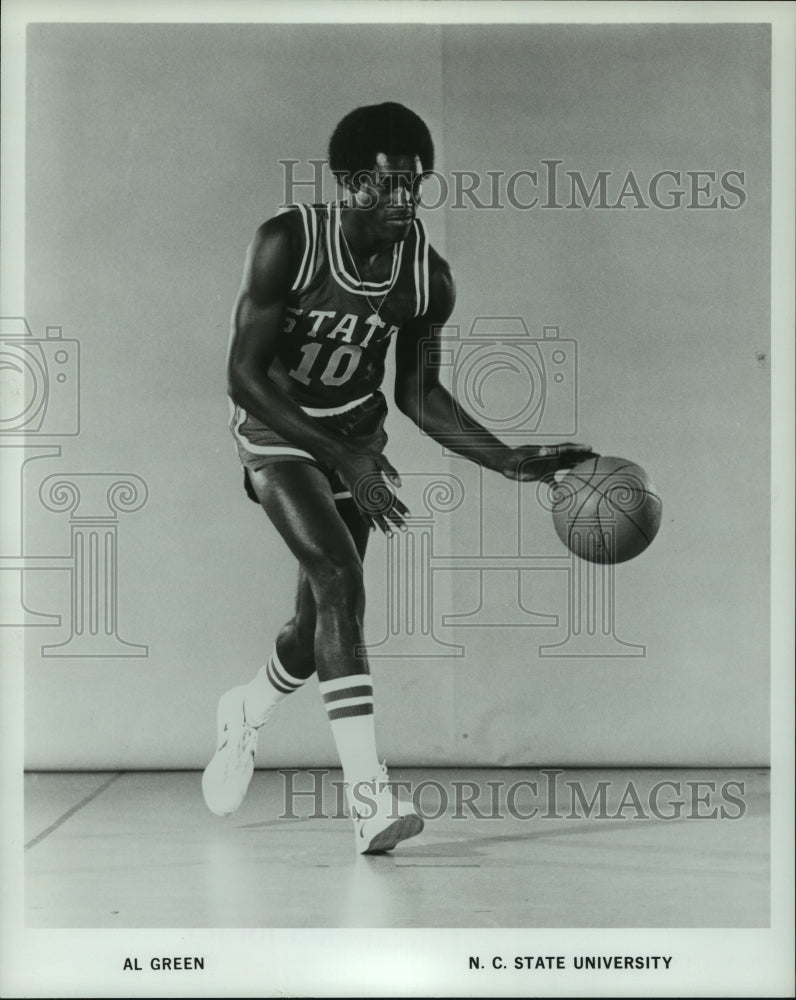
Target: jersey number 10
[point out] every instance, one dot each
(341, 365)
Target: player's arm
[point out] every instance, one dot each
(257, 324)
(420, 394)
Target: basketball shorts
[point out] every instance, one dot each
(361, 422)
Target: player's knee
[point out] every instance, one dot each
(339, 581)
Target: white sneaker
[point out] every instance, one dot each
(226, 778)
(382, 820)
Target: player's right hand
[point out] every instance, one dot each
(530, 463)
(371, 479)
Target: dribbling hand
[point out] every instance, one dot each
(530, 463)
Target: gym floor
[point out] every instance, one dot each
(140, 849)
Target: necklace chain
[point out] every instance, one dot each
(376, 311)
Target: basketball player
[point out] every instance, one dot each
(326, 289)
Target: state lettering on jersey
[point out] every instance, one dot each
(344, 330)
(344, 327)
(318, 316)
(334, 345)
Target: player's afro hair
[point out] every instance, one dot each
(378, 128)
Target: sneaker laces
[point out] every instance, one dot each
(248, 737)
(259, 725)
(245, 748)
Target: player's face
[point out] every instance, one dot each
(390, 193)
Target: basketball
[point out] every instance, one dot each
(606, 510)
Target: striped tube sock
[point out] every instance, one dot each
(271, 684)
(349, 704)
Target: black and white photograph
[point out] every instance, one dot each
(396, 444)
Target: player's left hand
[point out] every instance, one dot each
(531, 462)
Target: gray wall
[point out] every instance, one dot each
(152, 155)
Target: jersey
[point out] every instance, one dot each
(337, 329)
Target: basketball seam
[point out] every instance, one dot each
(600, 528)
(638, 526)
(596, 459)
(624, 513)
(585, 482)
(572, 520)
(595, 489)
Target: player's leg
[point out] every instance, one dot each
(291, 663)
(299, 502)
(293, 659)
(243, 710)
(296, 640)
